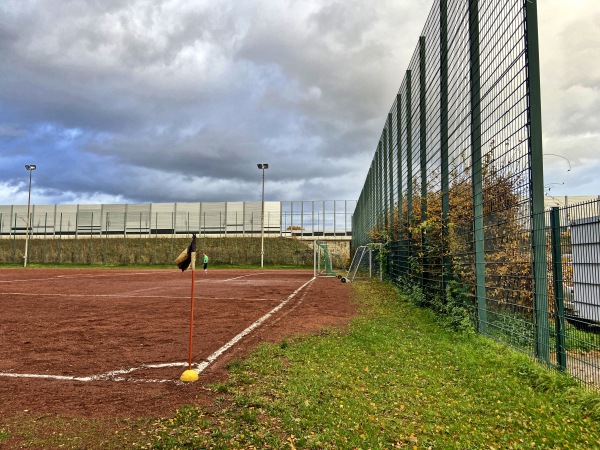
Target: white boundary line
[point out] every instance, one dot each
(203, 365)
(59, 277)
(29, 294)
(116, 375)
(113, 375)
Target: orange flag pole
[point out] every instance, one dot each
(190, 374)
(191, 324)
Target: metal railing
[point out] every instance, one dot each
(574, 292)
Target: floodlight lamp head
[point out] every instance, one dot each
(263, 166)
(30, 166)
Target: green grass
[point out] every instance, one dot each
(155, 251)
(396, 378)
(49, 431)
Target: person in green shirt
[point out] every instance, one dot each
(205, 263)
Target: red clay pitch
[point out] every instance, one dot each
(113, 343)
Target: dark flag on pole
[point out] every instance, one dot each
(188, 256)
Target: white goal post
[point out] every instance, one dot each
(323, 259)
(364, 264)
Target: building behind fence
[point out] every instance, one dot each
(455, 190)
(302, 219)
(154, 233)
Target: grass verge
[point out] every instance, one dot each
(395, 379)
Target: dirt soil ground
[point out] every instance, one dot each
(94, 343)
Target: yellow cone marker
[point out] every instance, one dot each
(189, 376)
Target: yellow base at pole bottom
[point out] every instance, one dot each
(189, 376)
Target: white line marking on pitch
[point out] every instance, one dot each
(115, 375)
(241, 276)
(32, 294)
(29, 294)
(59, 277)
(203, 365)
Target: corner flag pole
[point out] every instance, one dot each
(190, 374)
(191, 324)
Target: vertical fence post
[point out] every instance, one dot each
(540, 272)
(314, 258)
(334, 217)
(90, 259)
(301, 219)
(75, 249)
(106, 232)
(60, 240)
(379, 186)
(101, 216)
(139, 246)
(384, 177)
(476, 163)
(323, 214)
(390, 174)
(45, 231)
(409, 165)
(559, 307)
(172, 234)
(423, 159)
(409, 172)
(14, 252)
(399, 237)
(446, 269)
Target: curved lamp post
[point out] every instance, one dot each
(30, 168)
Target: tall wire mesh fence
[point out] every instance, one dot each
(455, 189)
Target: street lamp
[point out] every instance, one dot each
(30, 168)
(262, 215)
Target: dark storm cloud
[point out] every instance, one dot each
(128, 101)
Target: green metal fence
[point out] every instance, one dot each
(455, 189)
(574, 262)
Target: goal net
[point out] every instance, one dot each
(364, 264)
(325, 260)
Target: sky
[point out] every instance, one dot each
(135, 101)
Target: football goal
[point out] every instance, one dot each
(324, 260)
(364, 264)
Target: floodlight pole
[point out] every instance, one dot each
(262, 215)
(30, 168)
